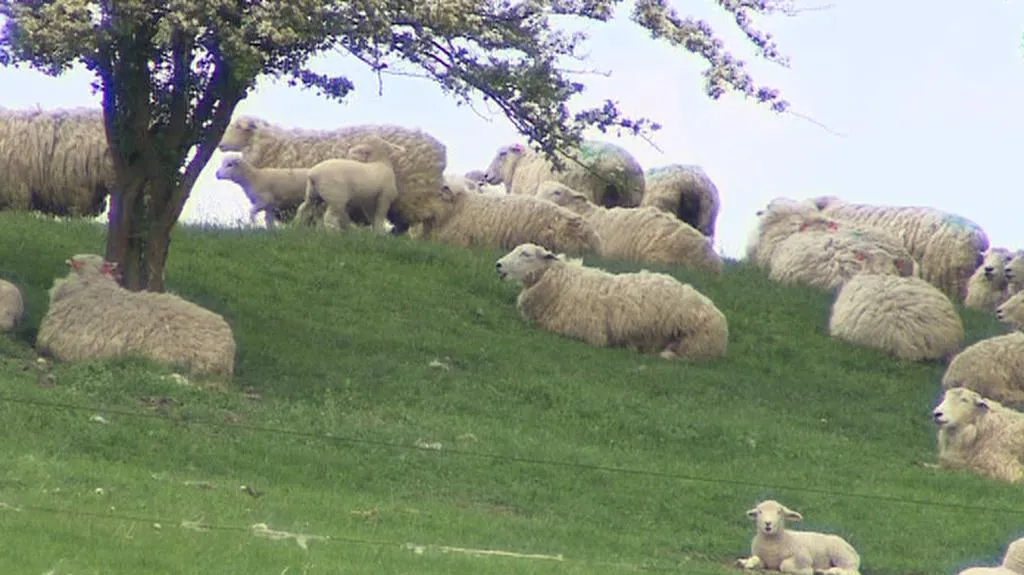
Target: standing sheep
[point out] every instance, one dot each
(644, 311)
(979, 434)
(948, 247)
(12, 307)
(469, 219)
(418, 169)
(826, 259)
(1013, 562)
(92, 317)
(268, 189)
(606, 173)
(55, 162)
(776, 548)
(993, 367)
(1014, 272)
(364, 181)
(987, 286)
(903, 316)
(684, 191)
(642, 234)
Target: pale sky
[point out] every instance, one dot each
(928, 99)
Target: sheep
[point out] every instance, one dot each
(1014, 272)
(781, 218)
(92, 317)
(776, 548)
(903, 316)
(826, 259)
(993, 367)
(947, 247)
(465, 218)
(987, 287)
(418, 169)
(56, 162)
(1012, 311)
(979, 434)
(644, 311)
(364, 181)
(606, 173)
(643, 234)
(12, 306)
(684, 191)
(1013, 562)
(268, 189)
(457, 182)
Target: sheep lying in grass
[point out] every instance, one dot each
(979, 434)
(776, 548)
(780, 219)
(1012, 311)
(686, 192)
(826, 259)
(1013, 562)
(987, 286)
(993, 367)
(1014, 272)
(606, 173)
(903, 316)
(269, 190)
(92, 317)
(504, 221)
(648, 312)
(365, 181)
(12, 307)
(947, 247)
(638, 234)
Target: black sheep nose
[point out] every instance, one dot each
(937, 414)
(497, 265)
(989, 269)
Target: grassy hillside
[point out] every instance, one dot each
(354, 349)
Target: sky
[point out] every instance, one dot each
(921, 104)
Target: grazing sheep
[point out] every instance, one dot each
(606, 173)
(903, 316)
(987, 287)
(504, 221)
(993, 367)
(12, 307)
(686, 192)
(979, 434)
(92, 317)
(828, 258)
(1012, 311)
(1014, 272)
(947, 247)
(268, 189)
(1013, 562)
(642, 234)
(418, 169)
(364, 181)
(776, 548)
(645, 311)
(56, 162)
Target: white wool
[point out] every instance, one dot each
(776, 548)
(987, 287)
(12, 307)
(979, 434)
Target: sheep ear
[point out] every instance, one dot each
(752, 513)
(792, 515)
(983, 404)
(517, 147)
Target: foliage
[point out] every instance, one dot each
(386, 344)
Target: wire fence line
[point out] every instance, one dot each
(7, 398)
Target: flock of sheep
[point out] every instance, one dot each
(897, 272)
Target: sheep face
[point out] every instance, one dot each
(561, 194)
(524, 260)
(959, 406)
(91, 265)
(771, 517)
(1014, 269)
(238, 135)
(503, 164)
(229, 168)
(476, 176)
(1011, 311)
(994, 262)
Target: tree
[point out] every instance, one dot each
(171, 73)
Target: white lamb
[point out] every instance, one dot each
(268, 189)
(979, 434)
(987, 287)
(11, 306)
(1013, 562)
(776, 548)
(364, 181)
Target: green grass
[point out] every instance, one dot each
(339, 338)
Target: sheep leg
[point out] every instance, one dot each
(753, 562)
(380, 214)
(336, 219)
(792, 565)
(268, 217)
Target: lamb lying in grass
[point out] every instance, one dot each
(649, 312)
(979, 434)
(776, 548)
(1013, 562)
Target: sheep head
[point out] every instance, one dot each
(771, 516)
(960, 406)
(230, 168)
(1011, 311)
(1014, 558)
(504, 164)
(238, 135)
(1014, 269)
(524, 262)
(91, 265)
(561, 194)
(993, 265)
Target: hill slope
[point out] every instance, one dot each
(384, 344)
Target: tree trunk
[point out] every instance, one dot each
(137, 238)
